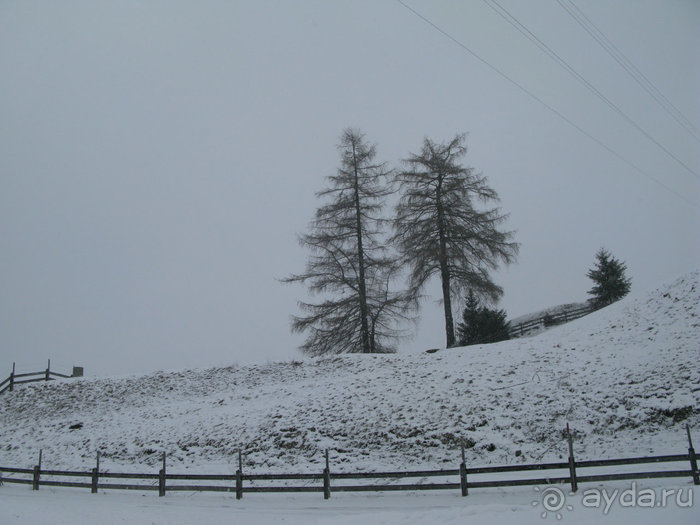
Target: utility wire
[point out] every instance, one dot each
(628, 66)
(501, 11)
(550, 108)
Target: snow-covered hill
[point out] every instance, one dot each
(626, 378)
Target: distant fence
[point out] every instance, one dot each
(460, 477)
(31, 377)
(548, 320)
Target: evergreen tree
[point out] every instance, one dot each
(610, 282)
(468, 329)
(350, 261)
(481, 325)
(439, 231)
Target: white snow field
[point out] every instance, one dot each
(626, 378)
(20, 505)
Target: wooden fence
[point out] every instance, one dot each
(459, 477)
(30, 377)
(546, 320)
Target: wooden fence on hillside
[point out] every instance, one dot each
(452, 479)
(548, 320)
(31, 377)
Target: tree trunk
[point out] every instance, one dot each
(444, 270)
(364, 325)
(449, 322)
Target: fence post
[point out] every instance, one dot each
(161, 479)
(95, 475)
(93, 485)
(239, 477)
(12, 378)
(48, 370)
(463, 475)
(572, 463)
(37, 473)
(693, 459)
(326, 479)
(35, 479)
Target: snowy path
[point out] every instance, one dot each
(22, 506)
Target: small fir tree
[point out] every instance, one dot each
(610, 282)
(481, 325)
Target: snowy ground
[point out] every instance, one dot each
(20, 505)
(626, 378)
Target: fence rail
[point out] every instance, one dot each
(44, 375)
(236, 481)
(546, 320)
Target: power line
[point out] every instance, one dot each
(501, 11)
(628, 66)
(543, 103)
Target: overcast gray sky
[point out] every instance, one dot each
(157, 159)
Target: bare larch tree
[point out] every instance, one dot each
(349, 261)
(439, 230)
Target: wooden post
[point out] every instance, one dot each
(239, 476)
(161, 479)
(326, 479)
(35, 479)
(572, 462)
(37, 473)
(463, 475)
(12, 378)
(48, 370)
(93, 485)
(693, 458)
(95, 475)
